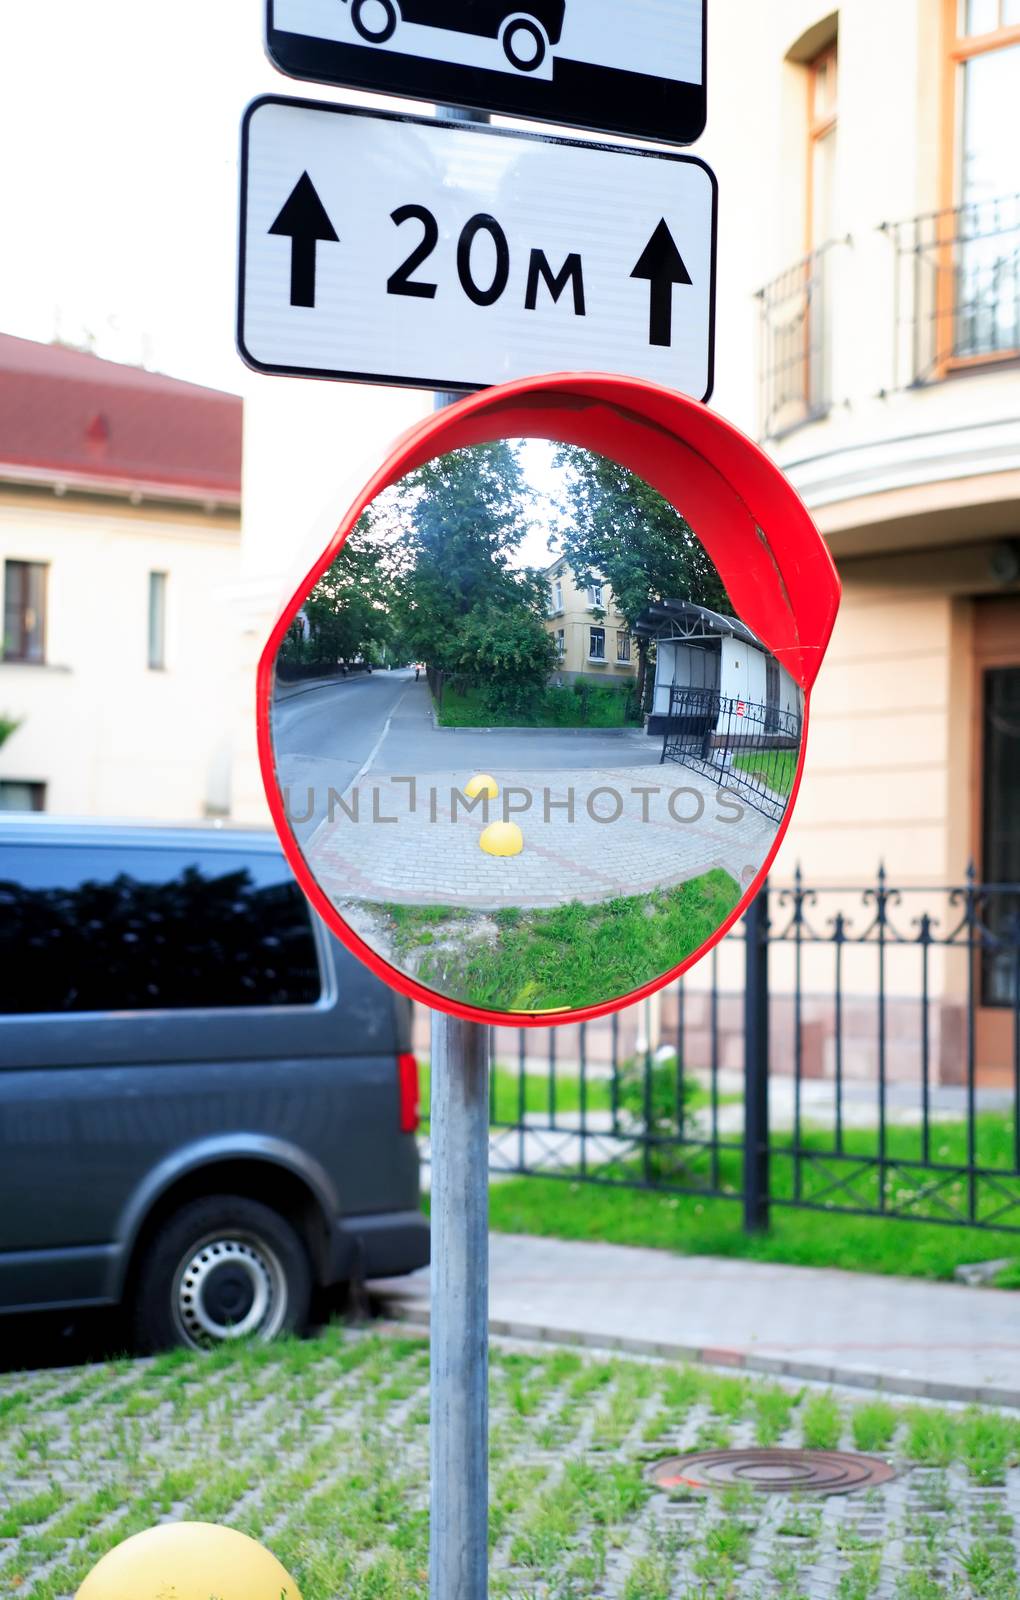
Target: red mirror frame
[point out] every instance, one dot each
(769, 554)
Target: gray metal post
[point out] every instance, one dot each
(459, 1530)
(459, 1384)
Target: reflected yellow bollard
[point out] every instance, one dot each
(481, 783)
(502, 839)
(189, 1561)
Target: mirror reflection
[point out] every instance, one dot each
(528, 750)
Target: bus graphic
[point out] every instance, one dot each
(526, 29)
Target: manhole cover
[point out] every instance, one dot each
(772, 1471)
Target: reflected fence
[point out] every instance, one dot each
(851, 1050)
(750, 749)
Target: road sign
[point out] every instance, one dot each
(632, 67)
(448, 255)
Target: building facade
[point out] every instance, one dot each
(592, 639)
(870, 255)
(119, 551)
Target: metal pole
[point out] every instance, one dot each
(459, 1323)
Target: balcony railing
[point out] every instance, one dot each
(794, 368)
(957, 289)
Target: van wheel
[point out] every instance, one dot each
(219, 1269)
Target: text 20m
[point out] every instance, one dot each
(403, 281)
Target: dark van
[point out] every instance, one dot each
(207, 1105)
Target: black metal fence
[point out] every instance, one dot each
(748, 748)
(957, 287)
(842, 1050)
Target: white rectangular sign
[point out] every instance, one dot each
(618, 66)
(403, 250)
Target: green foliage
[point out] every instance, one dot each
(345, 616)
(623, 531)
(8, 725)
(508, 652)
(469, 705)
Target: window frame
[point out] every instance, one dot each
(623, 655)
(596, 594)
(818, 128)
(158, 584)
(37, 787)
(957, 49)
(20, 657)
(593, 629)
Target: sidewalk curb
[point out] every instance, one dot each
(774, 1366)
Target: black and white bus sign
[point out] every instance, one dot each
(634, 67)
(447, 255)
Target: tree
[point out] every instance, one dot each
(346, 613)
(455, 526)
(623, 532)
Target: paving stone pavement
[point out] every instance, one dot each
(906, 1335)
(589, 836)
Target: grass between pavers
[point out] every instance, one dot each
(569, 956)
(589, 706)
(563, 1208)
(320, 1450)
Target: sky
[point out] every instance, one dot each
(118, 185)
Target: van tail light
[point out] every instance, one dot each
(410, 1094)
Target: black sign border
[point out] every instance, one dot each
(327, 61)
(470, 130)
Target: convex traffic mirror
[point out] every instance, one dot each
(533, 725)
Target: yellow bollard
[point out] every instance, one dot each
(502, 839)
(481, 783)
(190, 1561)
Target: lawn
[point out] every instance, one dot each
(562, 1100)
(320, 1450)
(588, 706)
(564, 1208)
(777, 773)
(567, 957)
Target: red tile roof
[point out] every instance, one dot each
(70, 417)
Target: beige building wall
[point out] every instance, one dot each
(107, 735)
(915, 488)
(572, 616)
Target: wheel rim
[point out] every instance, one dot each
(229, 1286)
(374, 19)
(528, 35)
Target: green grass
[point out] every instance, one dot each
(690, 1224)
(777, 771)
(560, 1098)
(320, 1450)
(568, 957)
(597, 705)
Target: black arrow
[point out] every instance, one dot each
(304, 221)
(663, 265)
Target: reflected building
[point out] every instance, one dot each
(592, 638)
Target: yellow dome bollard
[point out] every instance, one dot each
(481, 783)
(502, 839)
(190, 1561)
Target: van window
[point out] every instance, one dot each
(107, 929)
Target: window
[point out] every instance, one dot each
(157, 620)
(623, 646)
(978, 293)
(595, 594)
(556, 595)
(597, 644)
(25, 611)
(1001, 827)
(113, 930)
(821, 187)
(561, 643)
(17, 795)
